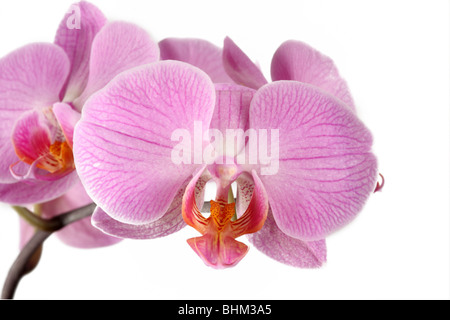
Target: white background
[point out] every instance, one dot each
(395, 57)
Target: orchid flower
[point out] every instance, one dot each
(293, 60)
(43, 88)
(143, 150)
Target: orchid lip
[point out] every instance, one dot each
(217, 246)
(39, 141)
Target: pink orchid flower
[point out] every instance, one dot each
(43, 88)
(326, 170)
(294, 60)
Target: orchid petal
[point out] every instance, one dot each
(8, 158)
(326, 169)
(118, 47)
(26, 231)
(232, 105)
(197, 52)
(123, 144)
(36, 191)
(295, 60)
(231, 112)
(80, 234)
(30, 77)
(274, 243)
(67, 119)
(76, 42)
(239, 66)
(171, 222)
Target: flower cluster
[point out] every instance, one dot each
(107, 115)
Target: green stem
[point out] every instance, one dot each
(36, 221)
(56, 223)
(19, 267)
(45, 228)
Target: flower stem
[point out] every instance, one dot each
(56, 223)
(45, 227)
(18, 269)
(36, 221)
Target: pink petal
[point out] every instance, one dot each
(232, 104)
(76, 42)
(239, 66)
(326, 169)
(80, 234)
(26, 232)
(30, 77)
(8, 158)
(171, 222)
(295, 60)
(231, 112)
(197, 52)
(119, 46)
(274, 243)
(67, 119)
(123, 146)
(35, 191)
